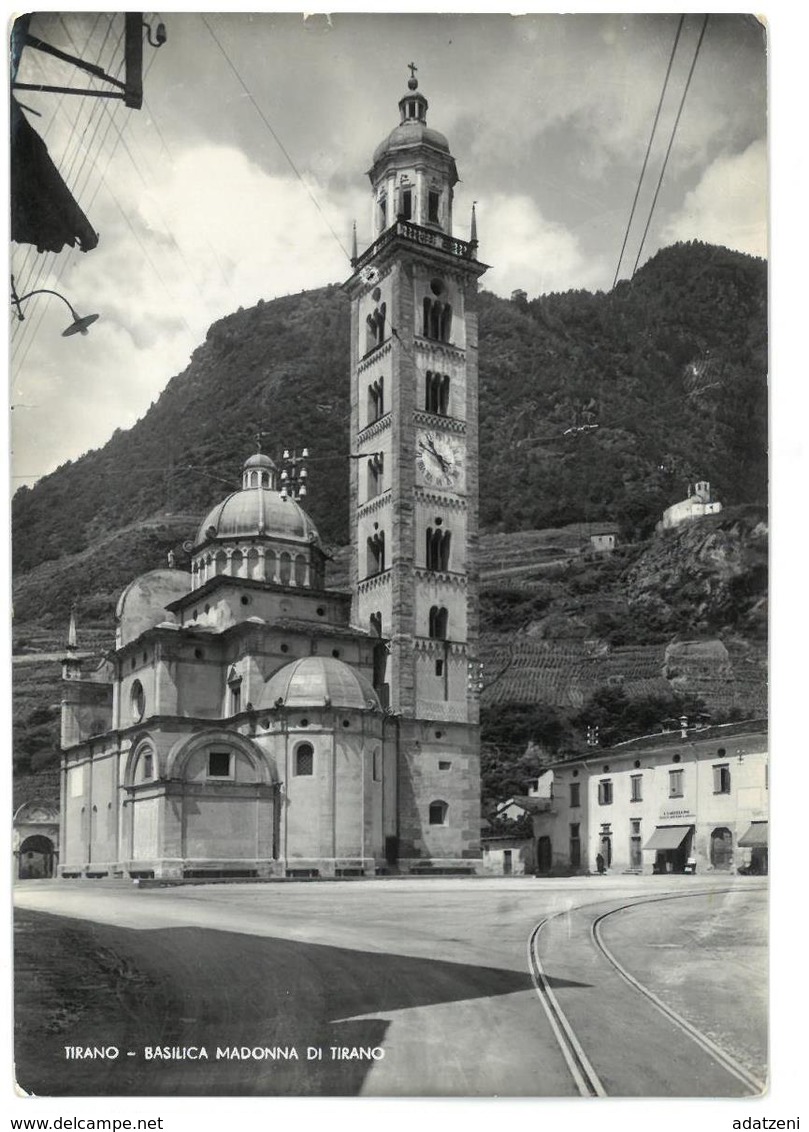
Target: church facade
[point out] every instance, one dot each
(252, 723)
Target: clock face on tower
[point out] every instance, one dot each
(439, 460)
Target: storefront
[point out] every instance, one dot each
(672, 846)
(756, 839)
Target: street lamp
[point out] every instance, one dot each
(79, 324)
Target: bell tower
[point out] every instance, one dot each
(414, 485)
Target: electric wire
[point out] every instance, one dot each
(31, 328)
(278, 141)
(671, 143)
(649, 147)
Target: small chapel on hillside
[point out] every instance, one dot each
(250, 722)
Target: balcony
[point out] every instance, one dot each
(415, 234)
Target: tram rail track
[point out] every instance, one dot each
(581, 1068)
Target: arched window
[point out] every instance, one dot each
(721, 848)
(382, 212)
(304, 760)
(375, 470)
(377, 765)
(376, 553)
(437, 548)
(234, 692)
(438, 813)
(221, 562)
(300, 570)
(437, 320)
(285, 567)
(376, 624)
(438, 623)
(376, 400)
(436, 393)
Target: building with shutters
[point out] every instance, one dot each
(683, 801)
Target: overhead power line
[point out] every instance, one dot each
(671, 143)
(278, 141)
(649, 147)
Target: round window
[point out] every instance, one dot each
(137, 699)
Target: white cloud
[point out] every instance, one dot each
(213, 232)
(530, 252)
(729, 205)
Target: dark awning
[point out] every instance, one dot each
(755, 837)
(668, 837)
(43, 211)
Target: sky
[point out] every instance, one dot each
(241, 176)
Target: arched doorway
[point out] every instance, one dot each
(544, 854)
(36, 858)
(721, 848)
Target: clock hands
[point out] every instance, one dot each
(430, 446)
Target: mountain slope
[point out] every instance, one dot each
(672, 369)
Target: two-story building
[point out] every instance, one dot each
(689, 800)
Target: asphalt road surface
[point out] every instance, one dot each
(616, 986)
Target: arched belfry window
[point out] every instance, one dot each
(376, 466)
(376, 400)
(437, 321)
(437, 548)
(375, 328)
(436, 393)
(438, 623)
(376, 553)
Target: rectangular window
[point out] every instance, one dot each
(443, 764)
(675, 784)
(407, 204)
(636, 788)
(433, 199)
(605, 792)
(147, 765)
(721, 779)
(635, 845)
(575, 795)
(218, 764)
(575, 845)
(439, 668)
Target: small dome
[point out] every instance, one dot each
(408, 134)
(310, 681)
(251, 512)
(259, 460)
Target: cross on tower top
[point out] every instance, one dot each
(412, 82)
(412, 68)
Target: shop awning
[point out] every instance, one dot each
(755, 837)
(668, 837)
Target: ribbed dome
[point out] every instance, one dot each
(257, 511)
(309, 682)
(408, 134)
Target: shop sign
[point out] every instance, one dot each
(676, 814)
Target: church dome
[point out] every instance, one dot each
(251, 512)
(258, 509)
(312, 680)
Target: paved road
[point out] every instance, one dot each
(433, 972)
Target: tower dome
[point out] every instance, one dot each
(413, 172)
(313, 681)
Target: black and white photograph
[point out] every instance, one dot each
(390, 557)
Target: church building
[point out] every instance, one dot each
(252, 723)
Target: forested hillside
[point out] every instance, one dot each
(596, 410)
(672, 367)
